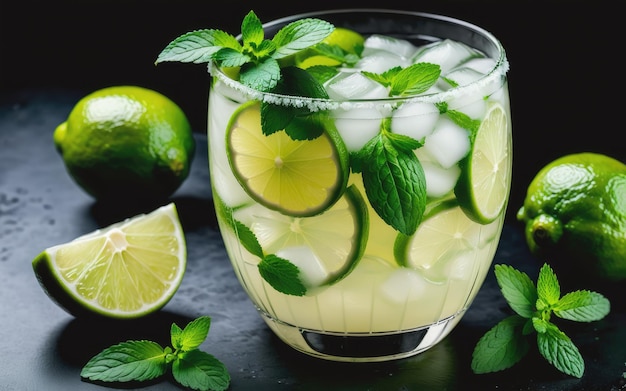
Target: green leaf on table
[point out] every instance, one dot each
(500, 348)
(127, 361)
(146, 360)
(518, 290)
(200, 371)
(507, 342)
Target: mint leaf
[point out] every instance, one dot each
(394, 182)
(322, 73)
(248, 239)
(582, 306)
(252, 33)
(560, 351)
(200, 371)
(300, 35)
(263, 76)
(414, 79)
(465, 121)
(282, 275)
(198, 46)
(548, 288)
(500, 348)
(194, 333)
(298, 122)
(518, 290)
(127, 361)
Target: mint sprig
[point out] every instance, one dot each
(509, 341)
(257, 56)
(146, 360)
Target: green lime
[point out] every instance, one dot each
(295, 177)
(325, 247)
(126, 142)
(348, 40)
(126, 270)
(575, 214)
(484, 183)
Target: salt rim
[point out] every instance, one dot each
(316, 104)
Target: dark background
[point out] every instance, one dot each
(565, 59)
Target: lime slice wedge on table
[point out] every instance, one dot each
(294, 177)
(483, 186)
(325, 247)
(126, 270)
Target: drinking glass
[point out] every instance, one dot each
(367, 239)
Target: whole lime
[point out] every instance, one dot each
(575, 215)
(126, 143)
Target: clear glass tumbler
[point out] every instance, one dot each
(365, 228)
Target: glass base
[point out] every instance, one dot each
(362, 347)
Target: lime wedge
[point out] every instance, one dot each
(294, 177)
(483, 187)
(127, 270)
(325, 248)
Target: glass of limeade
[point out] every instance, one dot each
(363, 224)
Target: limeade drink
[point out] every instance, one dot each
(363, 223)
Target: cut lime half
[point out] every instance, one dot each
(483, 187)
(294, 177)
(325, 248)
(127, 270)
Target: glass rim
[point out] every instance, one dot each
(498, 71)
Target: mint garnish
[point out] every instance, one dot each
(394, 179)
(257, 56)
(146, 360)
(509, 340)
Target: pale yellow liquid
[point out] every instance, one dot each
(378, 296)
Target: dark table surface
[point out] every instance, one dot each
(44, 348)
(53, 53)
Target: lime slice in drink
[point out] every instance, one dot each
(294, 177)
(325, 248)
(126, 270)
(483, 186)
(441, 240)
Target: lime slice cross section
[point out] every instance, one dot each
(325, 248)
(127, 270)
(483, 187)
(441, 241)
(294, 177)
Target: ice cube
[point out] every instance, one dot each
(446, 53)
(440, 181)
(403, 284)
(357, 126)
(354, 86)
(415, 119)
(312, 271)
(380, 61)
(400, 47)
(470, 104)
(483, 65)
(448, 143)
(462, 76)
